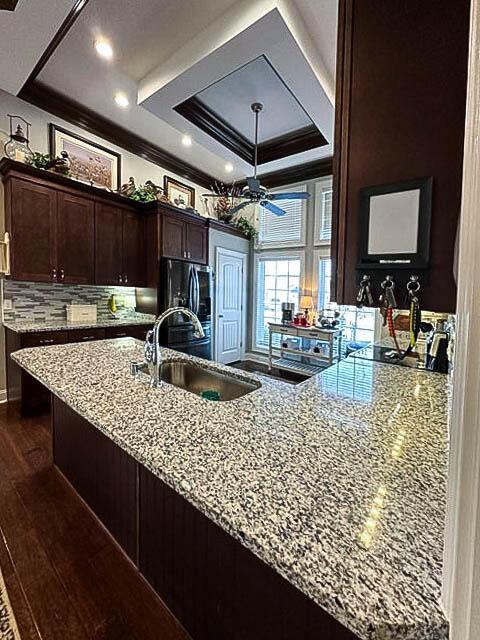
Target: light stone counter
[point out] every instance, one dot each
(339, 483)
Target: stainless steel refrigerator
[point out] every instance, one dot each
(185, 284)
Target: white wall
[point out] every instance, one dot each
(132, 165)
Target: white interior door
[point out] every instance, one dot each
(230, 299)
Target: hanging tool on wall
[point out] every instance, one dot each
(364, 295)
(388, 303)
(415, 318)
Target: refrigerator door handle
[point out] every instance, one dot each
(197, 292)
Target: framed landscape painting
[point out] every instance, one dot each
(90, 162)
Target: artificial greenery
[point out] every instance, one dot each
(40, 160)
(246, 227)
(143, 194)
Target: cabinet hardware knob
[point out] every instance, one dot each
(46, 341)
(120, 279)
(125, 279)
(189, 254)
(184, 254)
(62, 274)
(54, 274)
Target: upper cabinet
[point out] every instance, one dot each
(74, 239)
(183, 236)
(400, 111)
(31, 211)
(67, 232)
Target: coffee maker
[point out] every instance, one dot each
(288, 310)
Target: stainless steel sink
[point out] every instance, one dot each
(202, 381)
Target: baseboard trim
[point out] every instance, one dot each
(256, 357)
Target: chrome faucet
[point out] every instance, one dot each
(152, 344)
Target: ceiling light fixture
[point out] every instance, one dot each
(229, 167)
(104, 48)
(187, 141)
(122, 100)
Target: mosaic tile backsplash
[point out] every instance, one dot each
(34, 301)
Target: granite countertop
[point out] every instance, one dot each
(24, 326)
(339, 483)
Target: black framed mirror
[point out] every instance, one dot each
(394, 225)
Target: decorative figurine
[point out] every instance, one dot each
(128, 188)
(61, 164)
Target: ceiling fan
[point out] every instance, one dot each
(253, 192)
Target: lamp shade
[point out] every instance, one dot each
(306, 302)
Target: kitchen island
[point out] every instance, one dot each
(337, 484)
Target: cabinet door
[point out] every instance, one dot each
(108, 244)
(85, 335)
(196, 242)
(134, 263)
(32, 227)
(75, 239)
(173, 232)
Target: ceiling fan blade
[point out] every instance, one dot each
(272, 207)
(239, 207)
(294, 195)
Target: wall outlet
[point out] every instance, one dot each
(8, 304)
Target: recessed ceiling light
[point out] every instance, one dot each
(104, 48)
(229, 167)
(187, 141)
(122, 100)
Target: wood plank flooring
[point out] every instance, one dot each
(66, 578)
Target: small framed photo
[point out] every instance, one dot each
(180, 194)
(90, 162)
(394, 224)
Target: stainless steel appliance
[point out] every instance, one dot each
(182, 284)
(288, 309)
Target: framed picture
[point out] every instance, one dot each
(90, 162)
(394, 224)
(180, 194)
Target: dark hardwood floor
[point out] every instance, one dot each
(65, 576)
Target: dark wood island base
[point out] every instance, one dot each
(216, 588)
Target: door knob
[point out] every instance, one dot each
(220, 315)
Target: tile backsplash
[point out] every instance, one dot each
(34, 301)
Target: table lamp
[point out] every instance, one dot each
(306, 303)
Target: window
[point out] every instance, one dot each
(278, 279)
(323, 211)
(283, 231)
(359, 323)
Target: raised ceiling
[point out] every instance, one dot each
(166, 51)
(257, 81)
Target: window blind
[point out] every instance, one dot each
(323, 210)
(281, 231)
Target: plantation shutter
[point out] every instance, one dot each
(281, 231)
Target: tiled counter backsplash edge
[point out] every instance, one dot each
(36, 301)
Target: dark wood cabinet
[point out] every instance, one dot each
(391, 126)
(74, 239)
(184, 238)
(67, 232)
(119, 246)
(133, 245)
(132, 331)
(22, 388)
(102, 473)
(85, 335)
(108, 244)
(31, 220)
(216, 587)
(196, 242)
(173, 233)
